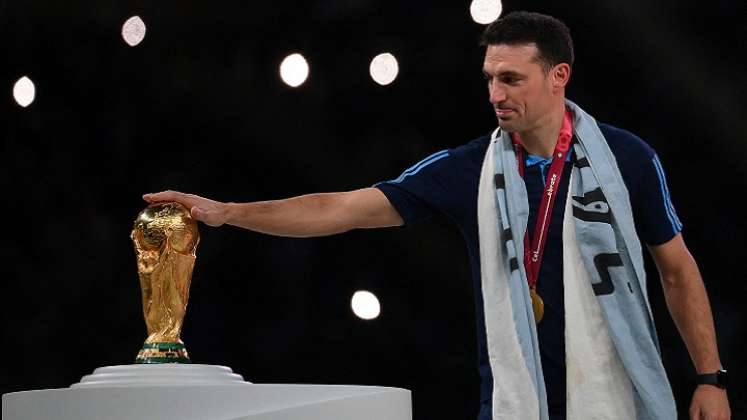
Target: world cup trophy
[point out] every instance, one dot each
(165, 238)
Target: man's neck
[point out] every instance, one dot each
(541, 140)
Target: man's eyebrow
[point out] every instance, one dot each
(504, 73)
(510, 73)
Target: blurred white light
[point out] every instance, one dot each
(365, 304)
(485, 11)
(24, 91)
(294, 70)
(384, 69)
(133, 31)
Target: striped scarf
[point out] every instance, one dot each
(613, 365)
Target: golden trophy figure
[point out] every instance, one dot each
(165, 238)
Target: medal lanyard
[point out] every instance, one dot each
(533, 255)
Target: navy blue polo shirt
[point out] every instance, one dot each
(446, 183)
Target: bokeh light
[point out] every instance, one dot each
(485, 11)
(24, 91)
(384, 69)
(133, 31)
(365, 305)
(294, 70)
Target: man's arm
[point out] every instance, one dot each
(688, 304)
(303, 216)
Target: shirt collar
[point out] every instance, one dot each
(532, 160)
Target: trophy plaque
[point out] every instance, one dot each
(165, 238)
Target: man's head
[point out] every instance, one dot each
(527, 64)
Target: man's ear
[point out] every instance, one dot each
(560, 75)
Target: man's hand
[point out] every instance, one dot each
(210, 212)
(709, 403)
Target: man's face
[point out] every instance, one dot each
(520, 90)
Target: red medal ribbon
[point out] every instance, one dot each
(533, 255)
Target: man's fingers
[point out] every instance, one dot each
(159, 196)
(166, 196)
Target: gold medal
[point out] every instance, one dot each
(538, 306)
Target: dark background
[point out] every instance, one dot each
(198, 106)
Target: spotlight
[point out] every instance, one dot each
(133, 31)
(294, 70)
(384, 69)
(24, 91)
(365, 305)
(485, 11)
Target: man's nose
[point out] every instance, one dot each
(497, 95)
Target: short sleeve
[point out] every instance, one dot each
(656, 218)
(421, 190)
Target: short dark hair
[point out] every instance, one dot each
(550, 35)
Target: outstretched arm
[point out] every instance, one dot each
(688, 304)
(303, 216)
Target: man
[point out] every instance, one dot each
(551, 206)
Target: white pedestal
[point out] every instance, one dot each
(192, 392)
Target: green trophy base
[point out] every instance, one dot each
(155, 353)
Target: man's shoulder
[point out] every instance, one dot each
(625, 144)
(464, 159)
(472, 151)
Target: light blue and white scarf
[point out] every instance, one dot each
(613, 365)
